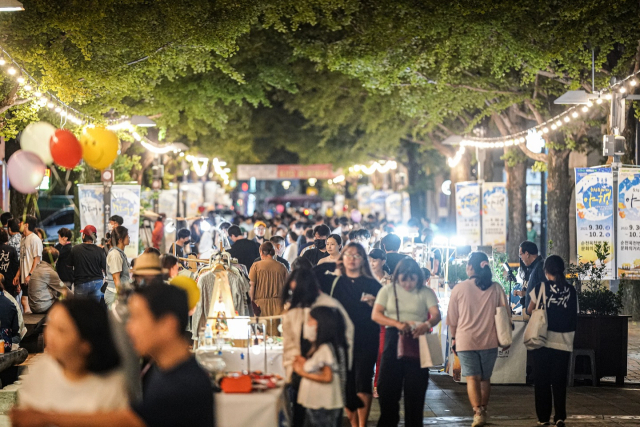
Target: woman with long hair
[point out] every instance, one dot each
(472, 328)
(118, 274)
(302, 293)
(406, 307)
(78, 372)
(324, 368)
(551, 362)
(356, 289)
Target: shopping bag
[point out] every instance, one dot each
(504, 327)
(430, 351)
(535, 335)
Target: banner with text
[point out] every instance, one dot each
(628, 256)
(494, 215)
(125, 201)
(276, 172)
(594, 214)
(468, 212)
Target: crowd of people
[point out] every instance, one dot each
(352, 309)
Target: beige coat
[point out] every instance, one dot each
(292, 329)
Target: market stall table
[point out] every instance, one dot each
(239, 358)
(264, 409)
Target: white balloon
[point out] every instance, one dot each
(35, 138)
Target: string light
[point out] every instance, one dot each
(380, 166)
(338, 179)
(221, 172)
(199, 164)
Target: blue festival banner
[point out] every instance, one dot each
(594, 215)
(468, 212)
(628, 256)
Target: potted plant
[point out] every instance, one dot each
(600, 326)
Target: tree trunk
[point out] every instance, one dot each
(517, 208)
(559, 188)
(417, 180)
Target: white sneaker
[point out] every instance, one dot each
(479, 420)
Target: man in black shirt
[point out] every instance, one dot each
(528, 253)
(391, 245)
(177, 392)
(89, 263)
(243, 249)
(64, 250)
(318, 250)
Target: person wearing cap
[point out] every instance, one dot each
(259, 228)
(89, 262)
(30, 257)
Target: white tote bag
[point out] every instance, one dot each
(535, 335)
(504, 328)
(430, 351)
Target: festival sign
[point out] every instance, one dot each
(468, 212)
(125, 201)
(494, 215)
(628, 256)
(594, 215)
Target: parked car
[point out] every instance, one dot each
(57, 220)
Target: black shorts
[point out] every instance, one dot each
(362, 372)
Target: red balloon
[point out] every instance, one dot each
(65, 149)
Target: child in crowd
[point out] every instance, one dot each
(324, 372)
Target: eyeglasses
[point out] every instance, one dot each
(356, 256)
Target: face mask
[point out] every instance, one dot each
(320, 243)
(309, 333)
(529, 226)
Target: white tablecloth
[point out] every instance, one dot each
(263, 409)
(237, 359)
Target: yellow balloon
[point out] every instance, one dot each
(99, 147)
(190, 286)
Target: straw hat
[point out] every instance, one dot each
(147, 264)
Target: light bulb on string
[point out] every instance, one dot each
(20, 80)
(633, 82)
(623, 89)
(37, 94)
(607, 96)
(28, 87)
(2, 61)
(545, 130)
(58, 109)
(589, 104)
(559, 123)
(554, 127)
(599, 101)
(574, 114)
(50, 105)
(567, 119)
(11, 71)
(585, 109)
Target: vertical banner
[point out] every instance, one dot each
(628, 256)
(494, 215)
(594, 214)
(125, 201)
(468, 212)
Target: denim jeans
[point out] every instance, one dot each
(89, 289)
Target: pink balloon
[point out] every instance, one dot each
(26, 171)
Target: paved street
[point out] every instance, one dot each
(607, 405)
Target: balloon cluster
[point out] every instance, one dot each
(43, 144)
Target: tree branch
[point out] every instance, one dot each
(446, 129)
(553, 76)
(15, 103)
(541, 157)
(477, 89)
(534, 110)
(519, 112)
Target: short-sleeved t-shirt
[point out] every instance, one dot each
(181, 396)
(9, 263)
(317, 395)
(393, 259)
(88, 262)
(44, 287)
(414, 306)
(472, 311)
(117, 263)
(30, 247)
